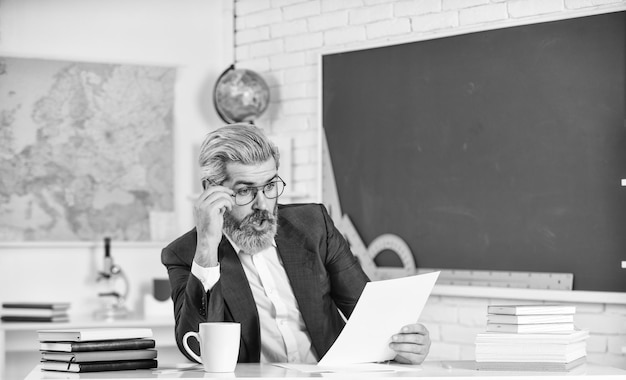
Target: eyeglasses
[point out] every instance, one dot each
(271, 190)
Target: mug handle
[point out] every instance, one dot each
(189, 351)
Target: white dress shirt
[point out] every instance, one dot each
(284, 337)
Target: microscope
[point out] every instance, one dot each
(113, 287)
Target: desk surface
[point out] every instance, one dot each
(435, 370)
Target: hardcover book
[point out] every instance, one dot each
(26, 312)
(531, 348)
(540, 353)
(98, 366)
(532, 339)
(59, 318)
(530, 366)
(36, 305)
(530, 328)
(531, 309)
(91, 334)
(99, 356)
(102, 345)
(527, 319)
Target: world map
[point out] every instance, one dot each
(86, 149)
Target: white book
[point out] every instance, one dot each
(529, 349)
(530, 328)
(532, 339)
(566, 357)
(91, 334)
(531, 309)
(522, 353)
(531, 366)
(528, 319)
(552, 358)
(32, 312)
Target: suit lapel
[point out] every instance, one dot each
(239, 300)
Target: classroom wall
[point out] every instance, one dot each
(283, 40)
(193, 36)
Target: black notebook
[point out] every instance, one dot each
(100, 345)
(119, 365)
(99, 356)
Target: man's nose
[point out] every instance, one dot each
(260, 201)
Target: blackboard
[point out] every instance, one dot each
(494, 150)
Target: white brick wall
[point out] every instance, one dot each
(412, 8)
(435, 21)
(483, 14)
(460, 4)
(387, 28)
(527, 8)
(365, 15)
(282, 39)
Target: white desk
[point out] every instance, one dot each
(19, 345)
(429, 370)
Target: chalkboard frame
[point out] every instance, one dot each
(433, 36)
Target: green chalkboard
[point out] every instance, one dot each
(495, 150)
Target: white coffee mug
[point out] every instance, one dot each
(219, 345)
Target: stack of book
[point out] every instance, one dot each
(35, 312)
(531, 337)
(97, 349)
(530, 318)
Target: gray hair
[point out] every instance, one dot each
(242, 143)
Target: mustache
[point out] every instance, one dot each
(258, 217)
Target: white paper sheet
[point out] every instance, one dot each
(382, 310)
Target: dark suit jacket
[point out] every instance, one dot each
(324, 275)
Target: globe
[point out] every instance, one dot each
(240, 95)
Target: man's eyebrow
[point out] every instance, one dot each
(249, 183)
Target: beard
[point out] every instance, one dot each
(253, 233)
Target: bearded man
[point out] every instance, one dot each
(284, 272)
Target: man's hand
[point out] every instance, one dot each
(208, 212)
(411, 344)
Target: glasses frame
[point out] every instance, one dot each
(261, 188)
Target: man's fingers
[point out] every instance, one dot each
(410, 348)
(225, 206)
(414, 333)
(210, 207)
(215, 190)
(416, 328)
(410, 353)
(411, 344)
(409, 358)
(215, 199)
(410, 338)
